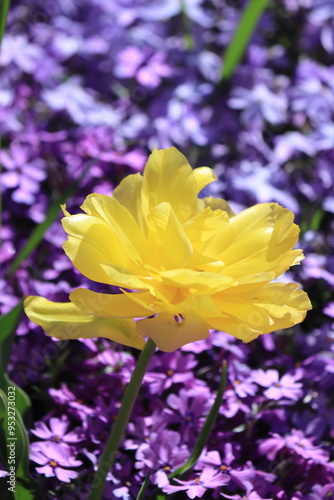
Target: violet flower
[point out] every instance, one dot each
(54, 460)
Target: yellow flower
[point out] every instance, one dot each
(183, 264)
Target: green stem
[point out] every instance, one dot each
(206, 429)
(121, 421)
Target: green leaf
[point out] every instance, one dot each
(38, 233)
(242, 35)
(4, 6)
(142, 492)
(13, 432)
(7, 327)
(206, 429)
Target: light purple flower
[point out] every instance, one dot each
(163, 454)
(23, 172)
(197, 487)
(277, 388)
(295, 442)
(54, 460)
(259, 104)
(57, 431)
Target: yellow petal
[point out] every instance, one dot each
(66, 321)
(119, 218)
(167, 238)
(128, 194)
(248, 245)
(108, 305)
(204, 226)
(169, 335)
(91, 241)
(188, 278)
(218, 203)
(204, 176)
(266, 309)
(168, 177)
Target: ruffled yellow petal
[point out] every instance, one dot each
(167, 238)
(91, 242)
(108, 305)
(196, 280)
(168, 177)
(128, 194)
(66, 321)
(258, 239)
(271, 307)
(119, 218)
(169, 335)
(218, 203)
(204, 176)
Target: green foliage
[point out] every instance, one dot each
(242, 35)
(4, 6)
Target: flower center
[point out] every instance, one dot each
(53, 463)
(170, 373)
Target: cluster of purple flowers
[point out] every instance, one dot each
(96, 85)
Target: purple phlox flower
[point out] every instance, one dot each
(55, 460)
(169, 369)
(81, 104)
(158, 10)
(319, 492)
(143, 427)
(65, 397)
(277, 388)
(22, 172)
(259, 181)
(242, 477)
(321, 10)
(253, 495)
(329, 309)
(57, 431)
(228, 344)
(259, 104)
(232, 404)
(323, 137)
(117, 362)
(290, 143)
(198, 485)
(297, 443)
(314, 266)
(240, 377)
(16, 49)
(189, 408)
(162, 455)
(313, 98)
(147, 68)
(209, 65)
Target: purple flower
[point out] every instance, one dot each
(277, 388)
(169, 369)
(55, 460)
(295, 442)
(197, 487)
(189, 408)
(22, 173)
(57, 431)
(259, 104)
(161, 455)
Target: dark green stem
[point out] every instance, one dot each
(121, 421)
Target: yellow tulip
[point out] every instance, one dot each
(184, 265)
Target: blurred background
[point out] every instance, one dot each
(89, 87)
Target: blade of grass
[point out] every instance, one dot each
(206, 429)
(4, 6)
(242, 35)
(38, 233)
